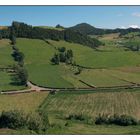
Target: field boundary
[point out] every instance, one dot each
(37, 88)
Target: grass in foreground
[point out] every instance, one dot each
(58, 106)
(28, 102)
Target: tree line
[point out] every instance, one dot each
(20, 75)
(28, 31)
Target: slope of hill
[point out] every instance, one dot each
(37, 60)
(87, 29)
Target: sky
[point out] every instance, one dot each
(98, 16)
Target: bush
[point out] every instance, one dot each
(62, 49)
(123, 120)
(79, 117)
(17, 120)
(12, 119)
(35, 122)
(101, 119)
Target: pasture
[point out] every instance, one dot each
(6, 61)
(5, 53)
(5, 82)
(37, 61)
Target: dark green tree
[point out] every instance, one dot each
(20, 76)
(55, 59)
(0, 36)
(62, 57)
(13, 39)
(62, 49)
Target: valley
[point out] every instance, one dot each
(100, 79)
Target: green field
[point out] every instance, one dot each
(6, 61)
(109, 65)
(37, 61)
(5, 82)
(5, 53)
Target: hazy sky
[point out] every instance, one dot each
(98, 16)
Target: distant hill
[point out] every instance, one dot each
(3, 27)
(88, 29)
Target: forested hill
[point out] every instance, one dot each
(28, 31)
(88, 29)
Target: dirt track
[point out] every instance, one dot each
(35, 88)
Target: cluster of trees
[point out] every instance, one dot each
(77, 37)
(27, 31)
(63, 55)
(20, 75)
(15, 119)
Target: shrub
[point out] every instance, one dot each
(79, 117)
(123, 120)
(62, 49)
(17, 120)
(34, 122)
(101, 119)
(12, 119)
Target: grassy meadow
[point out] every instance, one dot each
(37, 61)
(6, 60)
(5, 53)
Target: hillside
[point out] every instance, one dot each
(104, 73)
(87, 29)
